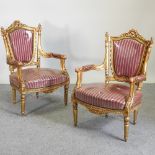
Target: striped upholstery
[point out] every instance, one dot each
(111, 96)
(38, 78)
(22, 44)
(127, 57)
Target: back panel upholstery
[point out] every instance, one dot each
(127, 56)
(21, 41)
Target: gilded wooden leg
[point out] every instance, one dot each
(75, 113)
(126, 127)
(13, 95)
(135, 113)
(66, 94)
(23, 103)
(37, 94)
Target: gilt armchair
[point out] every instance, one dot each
(125, 62)
(23, 50)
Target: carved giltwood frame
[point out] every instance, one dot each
(110, 75)
(35, 61)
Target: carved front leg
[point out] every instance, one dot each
(126, 127)
(66, 93)
(13, 95)
(135, 113)
(75, 112)
(23, 103)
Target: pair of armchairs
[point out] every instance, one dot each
(126, 58)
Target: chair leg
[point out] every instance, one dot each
(23, 104)
(37, 94)
(75, 113)
(126, 127)
(13, 95)
(135, 113)
(66, 94)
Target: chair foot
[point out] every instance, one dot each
(66, 87)
(75, 113)
(23, 114)
(22, 104)
(37, 95)
(106, 115)
(14, 95)
(135, 113)
(126, 127)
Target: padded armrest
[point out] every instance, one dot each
(89, 68)
(138, 78)
(59, 56)
(14, 63)
(85, 68)
(52, 55)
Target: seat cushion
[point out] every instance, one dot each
(112, 96)
(39, 77)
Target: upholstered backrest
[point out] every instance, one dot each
(21, 41)
(127, 56)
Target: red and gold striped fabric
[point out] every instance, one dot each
(39, 78)
(127, 56)
(22, 44)
(111, 96)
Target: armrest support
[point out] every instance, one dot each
(133, 80)
(130, 97)
(85, 69)
(19, 74)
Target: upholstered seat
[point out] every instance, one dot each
(112, 96)
(39, 77)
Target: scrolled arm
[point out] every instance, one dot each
(51, 55)
(85, 69)
(61, 57)
(58, 56)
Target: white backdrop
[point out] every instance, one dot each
(77, 28)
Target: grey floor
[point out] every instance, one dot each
(48, 128)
